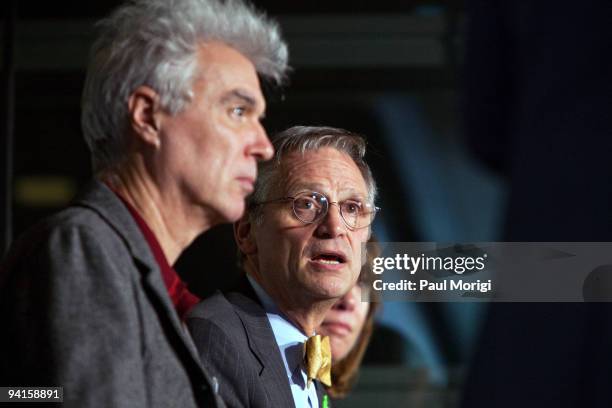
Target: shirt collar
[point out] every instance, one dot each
(181, 297)
(289, 337)
(289, 332)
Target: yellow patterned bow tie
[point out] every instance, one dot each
(317, 359)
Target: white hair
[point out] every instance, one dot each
(155, 43)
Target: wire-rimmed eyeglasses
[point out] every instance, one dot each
(311, 207)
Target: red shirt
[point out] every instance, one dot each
(182, 298)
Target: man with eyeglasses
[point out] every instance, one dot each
(300, 242)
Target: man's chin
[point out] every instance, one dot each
(235, 215)
(229, 214)
(332, 291)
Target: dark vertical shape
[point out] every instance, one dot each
(7, 121)
(540, 107)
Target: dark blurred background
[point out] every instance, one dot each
(486, 121)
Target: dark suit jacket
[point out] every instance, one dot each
(83, 306)
(236, 343)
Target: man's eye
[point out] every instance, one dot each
(351, 207)
(238, 111)
(305, 204)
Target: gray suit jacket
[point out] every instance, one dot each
(237, 344)
(83, 306)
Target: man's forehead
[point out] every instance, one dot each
(228, 77)
(329, 156)
(321, 170)
(340, 186)
(325, 158)
(225, 64)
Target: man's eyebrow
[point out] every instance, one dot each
(244, 97)
(239, 94)
(319, 188)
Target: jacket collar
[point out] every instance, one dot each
(102, 200)
(262, 343)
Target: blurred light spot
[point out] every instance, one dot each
(44, 191)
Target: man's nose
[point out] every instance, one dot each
(332, 225)
(262, 148)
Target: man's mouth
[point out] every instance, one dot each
(246, 183)
(329, 258)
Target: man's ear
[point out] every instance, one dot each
(143, 110)
(243, 234)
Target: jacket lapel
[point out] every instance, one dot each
(263, 344)
(99, 198)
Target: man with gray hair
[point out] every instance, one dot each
(171, 114)
(300, 240)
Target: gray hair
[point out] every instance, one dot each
(154, 43)
(309, 138)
